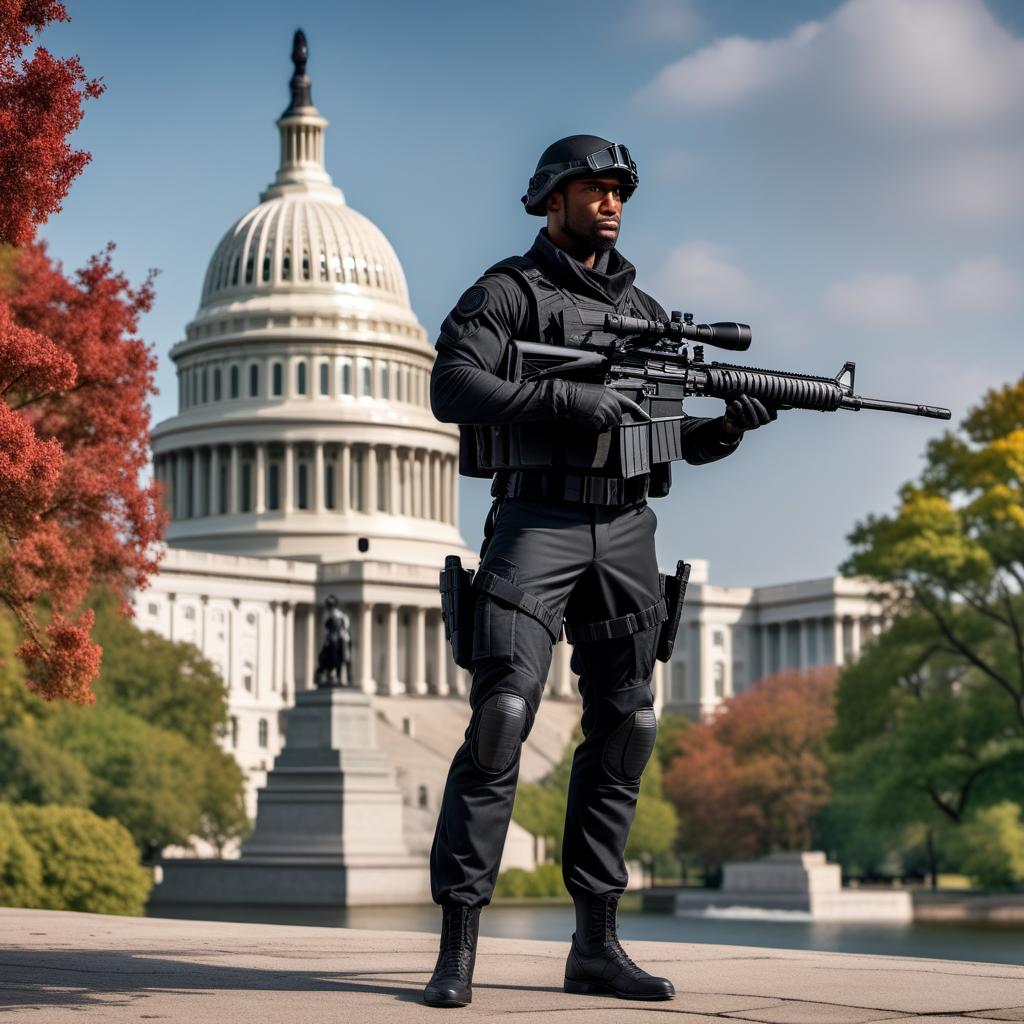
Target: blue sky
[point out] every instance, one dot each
(847, 178)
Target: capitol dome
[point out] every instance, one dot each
(304, 427)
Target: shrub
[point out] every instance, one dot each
(35, 771)
(992, 845)
(21, 873)
(88, 863)
(544, 882)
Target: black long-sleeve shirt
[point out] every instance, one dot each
(467, 385)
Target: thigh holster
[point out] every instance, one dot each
(460, 590)
(666, 611)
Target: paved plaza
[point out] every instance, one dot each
(57, 967)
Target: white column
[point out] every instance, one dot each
(288, 647)
(311, 650)
(394, 484)
(441, 658)
(215, 480)
(805, 651)
(319, 490)
(766, 650)
(435, 486)
(233, 482)
(418, 682)
(275, 646)
(407, 483)
(344, 485)
(232, 678)
(260, 497)
(453, 486)
(370, 479)
(427, 496)
(855, 638)
(417, 485)
(446, 490)
(288, 472)
(197, 485)
(365, 676)
(391, 681)
(837, 639)
(172, 603)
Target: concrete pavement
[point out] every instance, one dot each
(57, 967)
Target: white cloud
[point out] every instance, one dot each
(728, 71)
(700, 272)
(895, 299)
(920, 63)
(663, 19)
(981, 285)
(973, 186)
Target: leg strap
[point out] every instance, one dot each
(624, 625)
(489, 583)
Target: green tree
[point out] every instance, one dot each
(936, 703)
(146, 777)
(33, 770)
(21, 872)
(165, 683)
(993, 846)
(89, 863)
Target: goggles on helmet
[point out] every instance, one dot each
(611, 159)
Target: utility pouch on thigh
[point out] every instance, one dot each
(457, 600)
(675, 592)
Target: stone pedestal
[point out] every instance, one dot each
(328, 822)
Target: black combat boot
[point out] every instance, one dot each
(452, 981)
(598, 965)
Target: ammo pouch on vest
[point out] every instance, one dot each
(459, 590)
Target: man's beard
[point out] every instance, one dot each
(588, 241)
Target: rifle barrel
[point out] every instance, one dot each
(856, 403)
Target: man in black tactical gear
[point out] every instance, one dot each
(566, 539)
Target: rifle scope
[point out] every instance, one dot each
(733, 336)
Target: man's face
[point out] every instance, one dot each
(588, 211)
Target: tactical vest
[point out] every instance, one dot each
(557, 317)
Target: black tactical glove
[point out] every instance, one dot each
(597, 406)
(744, 412)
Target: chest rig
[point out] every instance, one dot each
(558, 316)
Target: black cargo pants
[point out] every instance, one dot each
(592, 563)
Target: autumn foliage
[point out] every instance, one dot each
(73, 384)
(749, 779)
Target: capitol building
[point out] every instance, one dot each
(304, 461)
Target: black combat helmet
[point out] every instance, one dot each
(573, 157)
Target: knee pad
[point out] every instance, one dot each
(628, 749)
(500, 726)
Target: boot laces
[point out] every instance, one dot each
(611, 939)
(455, 942)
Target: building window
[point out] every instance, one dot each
(233, 381)
(286, 265)
(325, 379)
(346, 378)
(246, 501)
(266, 265)
(300, 378)
(303, 487)
(223, 496)
(153, 608)
(254, 380)
(264, 732)
(718, 638)
(216, 384)
(719, 678)
(247, 676)
(277, 378)
(249, 262)
(190, 613)
(203, 378)
(274, 486)
(385, 381)
(305, 264)
(330, 469)
(234, 732)
(401, 373)
(366, 382)
(421, 797)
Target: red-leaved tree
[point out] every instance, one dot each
(750, 779)
(73, 383)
